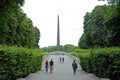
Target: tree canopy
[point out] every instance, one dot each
(102, 26)
(65, 48)
(15, 27)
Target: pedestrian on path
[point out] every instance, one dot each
(51, 66)
(60, 59)
(74, 66)
(46, 66)
(63, 59)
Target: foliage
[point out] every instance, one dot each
(101, 27)
(94, 28)
(18, 62)
(65, 48)
(49, 48)
(113, 2)
(15, 27)
(7, 7)
(113, 25)
(103, 62)
(68, 48)
(81, 52)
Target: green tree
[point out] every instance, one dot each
(113, 2)
(94, 28)
(7, 7)
(113, 23)
(68, 48)
(15, 27)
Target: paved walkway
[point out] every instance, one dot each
(62, 71)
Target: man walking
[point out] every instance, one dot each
(51, 66)
(74, 66)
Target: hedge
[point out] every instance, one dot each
(103, 62)
(16, 62)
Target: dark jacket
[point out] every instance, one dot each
(74, 65)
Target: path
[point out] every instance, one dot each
(62, 71)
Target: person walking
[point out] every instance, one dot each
(63, 59)
(51, 66)
(74, 66)
(60, 59)
(46, 66)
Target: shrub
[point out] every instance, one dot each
(103, 62)
(18, 62)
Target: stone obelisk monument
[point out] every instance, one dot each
(58, 35)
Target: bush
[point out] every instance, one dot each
(103, 62)
(18, 62)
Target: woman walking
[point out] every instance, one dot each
(46, 66)
(63, 59)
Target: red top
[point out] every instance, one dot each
(46, 63)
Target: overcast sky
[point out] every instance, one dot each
(44, 13)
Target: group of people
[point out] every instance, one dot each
(61, 59)
(47, 64)
(51, 64)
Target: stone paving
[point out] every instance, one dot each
(62, 71)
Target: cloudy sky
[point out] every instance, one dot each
(44, 13)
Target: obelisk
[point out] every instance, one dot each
(58, 35)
